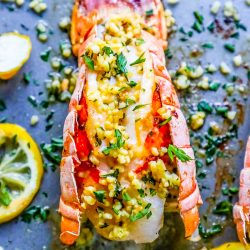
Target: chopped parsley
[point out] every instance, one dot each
(165, 121)
(113, 174)
(139, 60)
(125, 196)
(5, 198)
(32, 100)
(2, 105)
(141, 214)
(132, 84)
(121, 62)
(107, 50)
(27, 77)
(107, 150)
(141, 192)
(128, 102)
(179, 153)
(36, 213)
(53, 152)
(207, 46)
(118, 136)
(229, 47)
(211, 27)
(152, 191)
(139, 41)
(223, 208)
(149, 13)
(214, 86)
(198, 24)
(199, 18)
(89, 62)
(204, 106)
(206, 233)
(168, 53)
(45, 54)
(139, 106)
(115, 210)
(119, 143)
(100, 195)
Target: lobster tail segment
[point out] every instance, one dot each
(87, 14)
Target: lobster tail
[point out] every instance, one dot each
(87, 13)
(126, 141)
(241, 211)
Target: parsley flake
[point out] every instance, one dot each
(89, 62)
(100, 195)
(179, 153)
(139, 60)
(141, 214)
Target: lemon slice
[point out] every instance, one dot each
(231, 246)
(21, 170)
(14, 52)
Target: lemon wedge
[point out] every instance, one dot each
(230, 246)
(14, 52)
(21, 170)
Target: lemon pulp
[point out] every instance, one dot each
(21, 170)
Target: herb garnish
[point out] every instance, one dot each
(139, 106)
(115, 210)
(207, 46)
(204, 106)
(139, 41)
(32, 100)
(89, 62)
(107, 50)
(223, 207)
(53, 152)
(27, 77)
(214, 86)
(121, 62)
(149, 13)
(118, 136)
(45, 54)
(116, 145)
(2, 105)
(125, 196)
(141, 214)
(128, 102)
(229, 47)
(139, 60)
(152, 191)
(206, 233)
(36, 213)
(132, 84)
(141, 192)
(197, 26)
(198, 17)
(113, 174)
(165, 121)
(100, 195)
(168, 53)
(179, 153)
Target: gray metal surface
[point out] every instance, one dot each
(17, 235)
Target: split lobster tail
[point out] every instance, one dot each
(241, 211)
(127, 153)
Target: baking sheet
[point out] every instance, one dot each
(17, 235)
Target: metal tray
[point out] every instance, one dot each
(17, 235)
